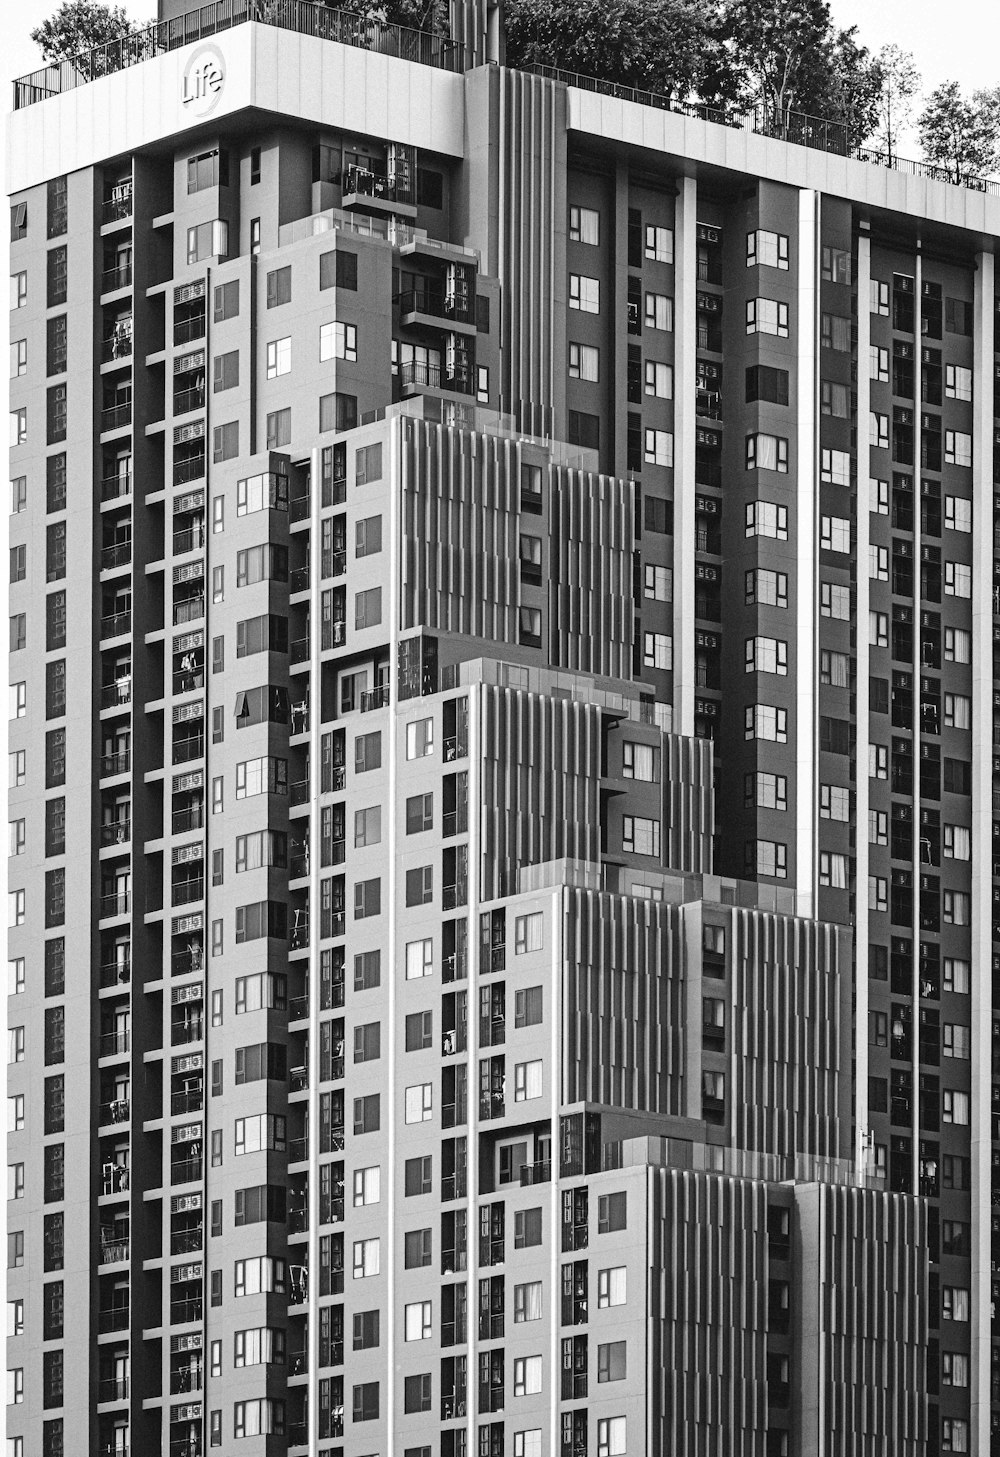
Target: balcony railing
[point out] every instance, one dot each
(185, 1171)
(118, 554)
(187, 330)
(115, 763)
(189, 1378)
(454, 895)
(190, 610)
(114, 417)
(117, 1111)
(191, 469)
(342, 26)
(190, 539)
(114, 1319)
(377, 697)
(117, 344)
(437, 304)
(192, 1100)
(183, 820)
(192, 398)
(117, 832)
(537, 1173)
(113, 1044)
(116, 624)
(112, 1388)
(116, 973)
(333, 564)
(114, 1252)
(456, 746)
(118, 276)
(183, 892)
(454, 822)
(115, 486)
(118, 205)
(115, 903)
(184, 750)
(183, 1311)
(186, 1241)
(416, 374)
(363, 182)
(115, 1179)
(298, 579)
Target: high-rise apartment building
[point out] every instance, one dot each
(501, 925)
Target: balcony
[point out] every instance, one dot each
(187, 330)
(333, 564)
(190, 539)
(191, 609)
(298, 579)
(184, 1311)
(115, 763)
(118, 206)
(454, 822)
(455, 895)
(184, 820)
(116, 973)
(115, 903)
(708, 404)
(118, 554)
(114, 1251)
(417, 375)
(114, 487)
(114, 1179)
(184, 750)
(334, 634)
(186, 1241)
(191, 468)
(116, 417)
(115, 1318)
(298, 651)
(435, 304)
(117, 1111)
(183, 892)
(537, 1173)
(193, 398)
(118, 276)
(372, 698)
(117, 344)
(113, 1044)
(185, 1171)
(116, 624)
(188, 1378)
(456, 747)
(116, 832)
(112, 1388)
(362, 182)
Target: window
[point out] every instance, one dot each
(584, 225)
(278, 428)
(878, 364)
(659, 244)
(767, 857)
(878, 893)
(419, 959)
(956, 1040)
(527, 1228)
(878, 497)
(954, 1303)
(611, 1361)
(766, 790)
(527, 1081)
(584, 293)
(527, 1375)
(19, 290)
(766, 655)
(657, 650)
(957, 513)
(957, 976)
(767, 384)
(957, 448)
(834, 802)
(767, 588)
(527, 1443)
(957, 579)
(419, 813)
(417, 1393)
(226, 301)
(367, 1114)
(417, 1322)
(528, 1007)
(658, 448)
(878, 563)
(611, 1437)
(366, 1258)
(640, 761)
(640, 836)
(279, 357)
(835, 601)
(19, 358)
(833, 870)
(420, 885)
(878, 629)
(954, 1106)
(954, 1369)
(584, 429)
(18, 221)
(834, 669)
(956, 906)
(957, 382)
(957, 842)
(766, 452)
(418, 1175)
(957, 645)
(879, 297)
(207, 240)
(762, 721)
(209, 169)
(584, 362)
(367, 752)
(836, 265)
(878, 827)
(416, 1248)
(418, 1103)
(767, 316)
(279, 287)
(338, 340)
(767, 250)
(420, 738)
(878, 761)
(835, 534)
(612, 1210)
(658, 312)
(836, 333)
(659, 380)
(878, 431)
(19, 426)
(368, 607)
(367, 898)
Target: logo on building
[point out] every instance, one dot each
(204, 81)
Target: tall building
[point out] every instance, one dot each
(445, 1015)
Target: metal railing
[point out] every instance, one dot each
(112, 1388)
(116, 624)
(115, 763)
(116, 832)
(189, 610)
(189, 539)
(183, 820)
(114, 1319)
(186, 1241)
(437, 303)
(363, 182)
(192, 398)
(117, 1111)
(191, 469)
(117, 344)
(114, 417)
(113, 1044)
(343, 26)
(187, 330)
(433, 376)
(767, 121)
(115, 903)
(116, 973)
(118, 206)
(118, 276)
(372, 698)
(115, 486)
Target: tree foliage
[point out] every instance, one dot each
(670, 46)
(959, 134)
(900, 84)
(79, 26)
(429, 15)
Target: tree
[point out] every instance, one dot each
(79, 26)
(782, 51)
(429, 15)
(669, 46)
(900, 84)
(961, 135)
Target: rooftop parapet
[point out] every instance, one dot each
(678, 1153)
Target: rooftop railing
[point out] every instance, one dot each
(767, 121)
(301, 16)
